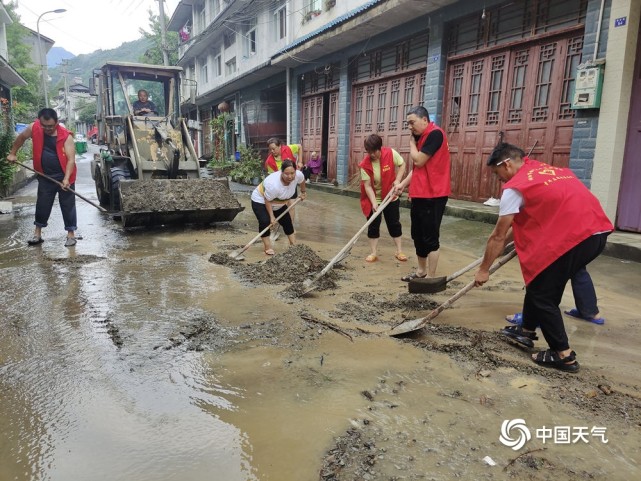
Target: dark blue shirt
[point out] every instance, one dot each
(50, 162)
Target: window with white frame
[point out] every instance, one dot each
(203, 19)
(204, 72)
(218, 65)
(250, 38)
(280, 21)
(314, 5)
(230, 67)
(215, 7)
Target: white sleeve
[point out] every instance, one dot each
(511, 202)
(300, 177)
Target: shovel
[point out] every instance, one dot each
(101, 209)
(431, 285)
(416, 324)
(309, 284)
(236, 253)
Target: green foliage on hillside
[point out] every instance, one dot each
(86, 63)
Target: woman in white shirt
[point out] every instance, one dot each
(272, 195)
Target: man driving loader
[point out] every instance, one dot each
(144, 106)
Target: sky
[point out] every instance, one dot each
(90, 25)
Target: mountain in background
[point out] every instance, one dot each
(83, 65)
(56, 55)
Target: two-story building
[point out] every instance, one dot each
(558, 78)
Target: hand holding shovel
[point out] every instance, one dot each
(235, 254)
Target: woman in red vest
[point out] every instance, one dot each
(54, 154)
(382, 170)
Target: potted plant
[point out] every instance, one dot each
(221, 164)
(250, 167)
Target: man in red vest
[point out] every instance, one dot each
(54, 154)
(558, 227)
(429, 182)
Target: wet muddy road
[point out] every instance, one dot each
(137, 356)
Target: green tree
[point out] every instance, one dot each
(86, 111)
(27, 99)
(153, 55)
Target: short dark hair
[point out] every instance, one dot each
(419, 111)
(504, 151)
(48, 114)
(373, 142)
(287, 163)
(273, 140)
(143, 90)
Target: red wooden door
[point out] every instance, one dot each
(332, 137)
(629, 206)
(380, 107)
(519, 95)
(312, 125)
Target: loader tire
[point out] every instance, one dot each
(103, 196)
(117, 174)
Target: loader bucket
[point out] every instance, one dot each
(177, 201)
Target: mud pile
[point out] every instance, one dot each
(294, 266)
(176, 195)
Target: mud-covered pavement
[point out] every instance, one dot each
(152, 355)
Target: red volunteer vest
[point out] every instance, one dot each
(388, 175)
(433, 179)
(37, 136)
(285, 154)
(559, 213)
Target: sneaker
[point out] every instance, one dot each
(492, 202)
(70, 242)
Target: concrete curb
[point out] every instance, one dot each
(621, 245)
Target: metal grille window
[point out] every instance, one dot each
(513, 21)
(475, 92)
(408, 54)
(572, 60)
(393, 109)
(496, 90)
(517, 93)
(544, 82)
(455, 95)
(358, 110)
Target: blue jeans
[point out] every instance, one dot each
(47, 191)
(584, 293)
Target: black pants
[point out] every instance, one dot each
(392, 220)
(47, 191)
(263, 219)
(543, 294)
(426, 215)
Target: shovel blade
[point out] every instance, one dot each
(427, 285)
(407, 327)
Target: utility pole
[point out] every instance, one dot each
(163, 36)
(65, 64)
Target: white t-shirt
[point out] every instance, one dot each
(511, 202)
(273, 189)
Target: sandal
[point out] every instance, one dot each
(515, 318)
(412, 276)
(550, 358)
(35, 240)
(371, 258)
(577, 315)
(400, 257)
(517, 334)
(270, 252)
